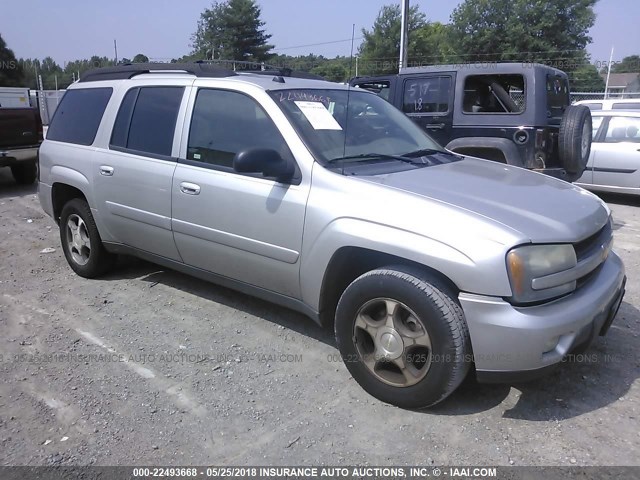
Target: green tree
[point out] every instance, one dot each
(630, 64)
(433, 45)
(554, 32)
(11, 73)
(209, 37)
(30, 68)
(140, 58)
(334, 69)
(232, 30)
(586, 78)
(380, 50)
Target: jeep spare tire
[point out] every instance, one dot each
(574, 139)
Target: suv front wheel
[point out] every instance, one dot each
(81, 241)
(403, 336)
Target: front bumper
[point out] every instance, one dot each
(12, 156)
(512, 343)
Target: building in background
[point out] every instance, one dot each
(621, 84)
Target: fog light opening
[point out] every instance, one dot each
(551, 344)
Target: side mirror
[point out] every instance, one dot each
(266, 161)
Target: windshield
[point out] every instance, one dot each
(337, 125)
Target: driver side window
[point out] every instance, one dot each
(224, 123)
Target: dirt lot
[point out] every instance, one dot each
(147, 366)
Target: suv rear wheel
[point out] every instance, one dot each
(25, 173)
(81, 241)
(403, 336)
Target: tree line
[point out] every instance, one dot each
(554, 32)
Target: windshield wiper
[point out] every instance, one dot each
(376, 156)
(428, 151)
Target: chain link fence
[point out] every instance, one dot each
(577, 96)
(518, 96)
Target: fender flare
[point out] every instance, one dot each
(507, 147)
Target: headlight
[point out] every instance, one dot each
(534, 261)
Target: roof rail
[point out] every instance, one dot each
(126, 71)
(261, 68)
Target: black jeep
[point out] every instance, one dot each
(516, 113)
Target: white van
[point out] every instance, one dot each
(11, 97)
(612, 104)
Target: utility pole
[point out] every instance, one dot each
(115, 49)
(404, 34)
(606, 87)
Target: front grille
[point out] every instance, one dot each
(593, 247)
(587, 247)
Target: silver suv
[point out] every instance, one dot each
(329, 201)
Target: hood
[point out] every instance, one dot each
(541, 208)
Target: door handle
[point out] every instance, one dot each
(106, 170)
(190, 188)
(435, 126)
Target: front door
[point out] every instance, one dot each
(428, 100)
(616, 153)
(241, 226)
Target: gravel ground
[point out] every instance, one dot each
(147, 366)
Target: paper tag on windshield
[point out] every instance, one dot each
(319, 117)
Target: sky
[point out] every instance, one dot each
(161, 29)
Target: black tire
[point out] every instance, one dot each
(25, 173)
(438, 312)
(574, 139)
(98, 260)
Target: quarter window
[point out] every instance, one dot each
(146, 120)
(78, 116)
(225, 123)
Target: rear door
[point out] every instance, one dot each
(616, 153)
(428, 100)
(133, 176)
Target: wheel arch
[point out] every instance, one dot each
(62, 193)
(506, 147)
(349, 262)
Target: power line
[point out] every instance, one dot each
(317, 44)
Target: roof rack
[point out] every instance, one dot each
(261, 68)
(126, 71)
(209, 68)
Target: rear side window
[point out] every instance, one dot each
(146, 120)
(494, 94)
(624, 106)
(594, 106)
(557, 95)
(78, 116)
